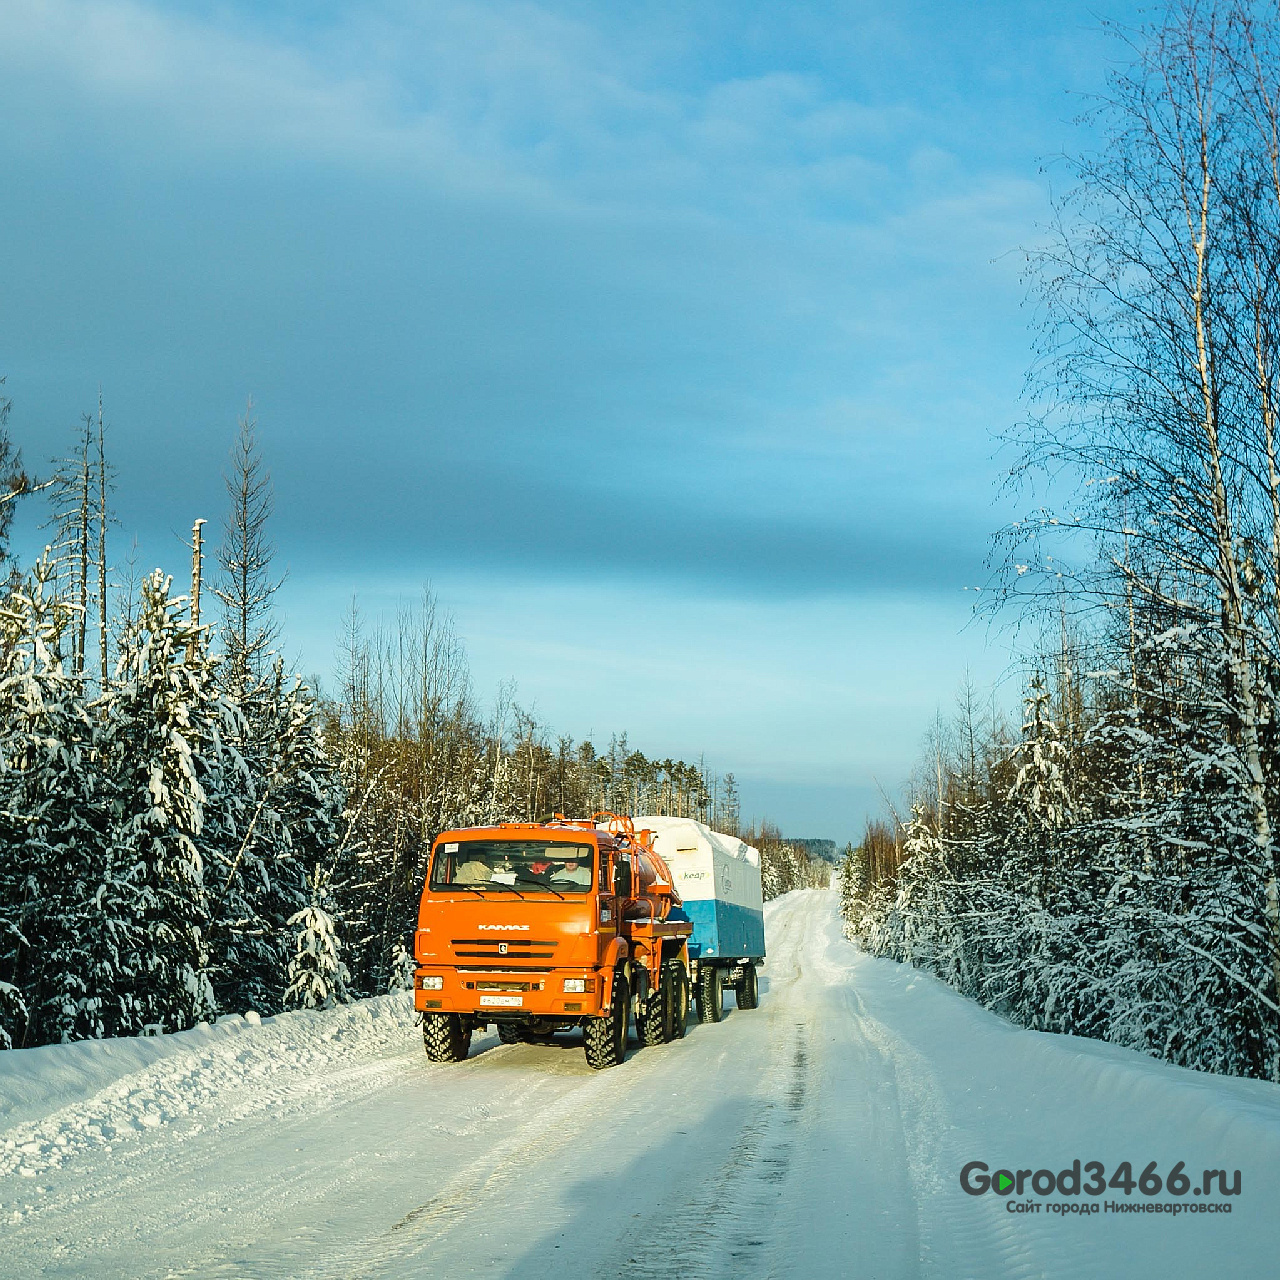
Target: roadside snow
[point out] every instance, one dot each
(60, 1099)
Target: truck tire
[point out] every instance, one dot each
(749, 988)
(709, 1006)
(605, 1038)
(508, 1033)
(680, 1018)
(445, 1038)
(654, 1023)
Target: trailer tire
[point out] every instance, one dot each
(445, 1037)
(604, 1039)
(749, 988)
(508, 1033)
(710, 1008)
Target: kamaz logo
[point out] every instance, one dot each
(502, 948)
(506, 928)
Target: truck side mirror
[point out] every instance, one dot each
(622, 878)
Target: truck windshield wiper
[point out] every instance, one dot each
(498, 884)
(537, 885)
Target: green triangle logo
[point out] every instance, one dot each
(1003, 1182)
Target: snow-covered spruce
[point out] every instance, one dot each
(317, 976)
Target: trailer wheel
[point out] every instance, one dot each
(508, 1033)
(709, 1006)
(677, 980)
(605, 1038)
(445, 1037)
(749, 988)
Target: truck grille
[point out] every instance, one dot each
(489, 949)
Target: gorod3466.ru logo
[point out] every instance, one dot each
(976, 1179)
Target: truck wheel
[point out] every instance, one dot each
(445, 1038)
(654, 1018)
(655, 1025)
(749, 989)
(709, 1006)
(508, 1033)
(680, 1007)
(605, 1039)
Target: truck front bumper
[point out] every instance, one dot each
(497, 995)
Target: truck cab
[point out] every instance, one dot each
(539, 927)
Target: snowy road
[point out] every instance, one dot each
(821, 1135)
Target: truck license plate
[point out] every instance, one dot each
(507, 1002)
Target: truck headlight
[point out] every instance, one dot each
(575, 984)
(432, 982)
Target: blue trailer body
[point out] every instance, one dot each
(724, 929)
(718, 879)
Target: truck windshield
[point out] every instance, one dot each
(522, 866)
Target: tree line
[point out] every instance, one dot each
(1106, 865)
(186, 827)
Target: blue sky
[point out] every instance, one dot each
(681, 333)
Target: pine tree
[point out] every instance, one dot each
(54, 783)
(852, 881)
(281, 823)
(400, 978)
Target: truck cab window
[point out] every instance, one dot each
(525, 866)
(622, 877)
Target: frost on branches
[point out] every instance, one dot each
(1118, 897)
(158, 833)
(51, 824)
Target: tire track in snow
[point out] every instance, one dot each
(956, 1239)
(727, 1222)
(493, 1177)
(725, 1225)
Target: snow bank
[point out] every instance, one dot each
(60, 1099)
(972, 1086)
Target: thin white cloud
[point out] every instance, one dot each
(504, 97)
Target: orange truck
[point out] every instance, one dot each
(540, 927)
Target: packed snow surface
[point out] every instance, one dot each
(820, 1135)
